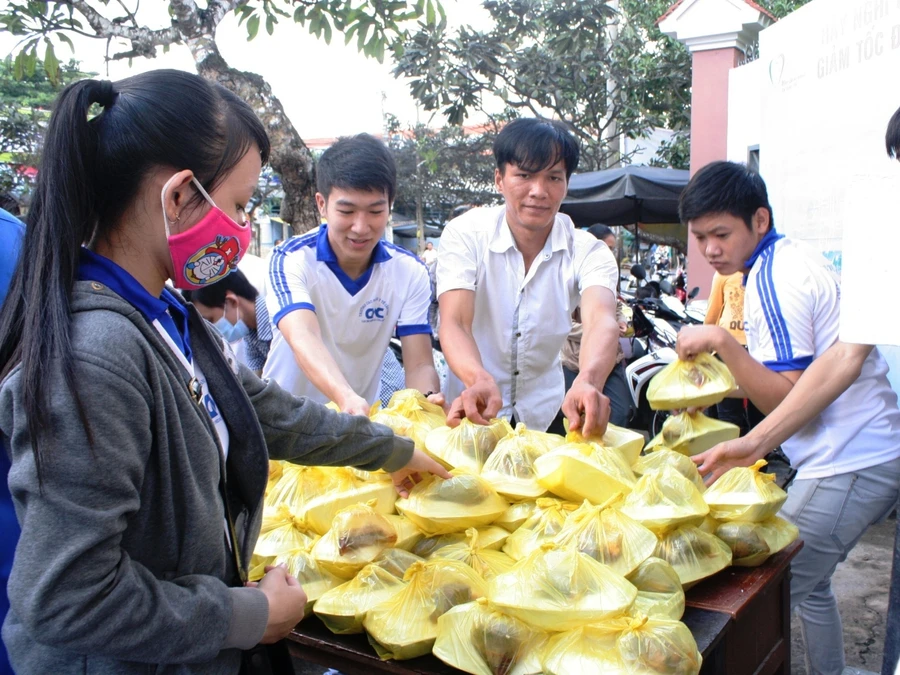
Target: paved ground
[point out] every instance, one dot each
(861, 584)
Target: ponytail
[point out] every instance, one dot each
(35, 321)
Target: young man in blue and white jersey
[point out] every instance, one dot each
(848, 457)
(337, 295)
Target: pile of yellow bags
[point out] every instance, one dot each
(540, 554)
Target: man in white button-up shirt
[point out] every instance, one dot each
(508, 280)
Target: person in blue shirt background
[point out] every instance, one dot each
(11, 232)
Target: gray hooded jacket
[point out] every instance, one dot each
(123, 566)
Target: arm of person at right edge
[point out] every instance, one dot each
(301, 330)
(716, 301)
(481, 400)
(821, 384)
(299, 430)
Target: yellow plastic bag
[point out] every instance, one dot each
(405, 625)
(439, 506)
(258, 564)
(544, 524)
(588, 649)
(276, 468)
(659, 647)
(346, 489)
(298, 484)
(492, 537)
(692, 434)
(281, 531)
(343, 609)
(486, 563)
(515, 515)
(608, 536)
(558, 588)
(408, 535)
(751, 544)
(681, 463)
(690, 384)
(665, 499)
(580, 471)
(510, 468)
(428, 546)
(626, 442)
(357, 535)
(410, 414)
(396, 561)
(660, 595)
(315, 580)
(744, 493)
(693, 554)
(467, 446)
(479, 640)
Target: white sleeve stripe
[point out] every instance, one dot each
(781, 340)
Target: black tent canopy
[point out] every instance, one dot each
(625, 196)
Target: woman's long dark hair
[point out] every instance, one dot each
(90, 173)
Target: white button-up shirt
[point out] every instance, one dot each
(521, 320)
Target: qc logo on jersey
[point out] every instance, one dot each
(375, 309)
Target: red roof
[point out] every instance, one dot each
(754, 5)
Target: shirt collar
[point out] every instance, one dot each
(502, 241)
(767, 241)
(95, 267)
(324, 252)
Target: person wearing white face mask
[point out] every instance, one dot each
(238, 312)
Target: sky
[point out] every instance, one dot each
(326, 90)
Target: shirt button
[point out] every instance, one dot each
(518, 335)
(546, 256)
(516, 373)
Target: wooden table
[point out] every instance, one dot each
(740, 619)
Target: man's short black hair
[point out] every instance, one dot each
(534, 144)
(214, 294)
(360, 162)
(892, 137)
(601, 231)
(724, 187)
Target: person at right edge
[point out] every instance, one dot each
(138, 442)
(848, 457)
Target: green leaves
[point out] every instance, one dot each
(252, 27)
(51, 63)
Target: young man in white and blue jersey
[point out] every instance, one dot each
(338, 294)
(848, 457)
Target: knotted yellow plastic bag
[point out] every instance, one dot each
(296, 485)
(510, 468)
(579, 471)
(664, 457)
(492, 537)
(659, 647)
(343, 609)
(558, 588)
(693, 554)
(486, 563)
(479, 640)
(744, 493)
(258, 564)
(428, 546)
(626, 442)
(542, 527)
(281, 531)
(660, 595)
(751, 544)
(665, 499)
(395, 561)
(690, 384)
(346, 489)
(692, 434)
(357, 535)
(408, 535)
(315, 580)
(405, 625)
(608, 536)
(440, 506)
(515, 515)
(467, 446)
(588, 649)
(410, 414)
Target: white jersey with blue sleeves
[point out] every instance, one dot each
(357, 317)
(792, 312)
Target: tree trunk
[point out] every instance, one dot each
(290, 158)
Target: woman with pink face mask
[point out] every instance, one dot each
(138, 443)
